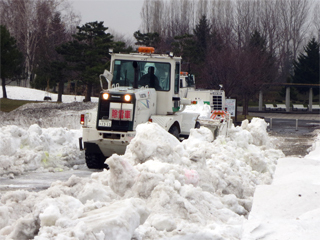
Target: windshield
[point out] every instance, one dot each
(190, 81)
(153, 74)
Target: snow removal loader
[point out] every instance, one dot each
(139, 87)
(219, 121)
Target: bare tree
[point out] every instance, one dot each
(316, 20)
(158, 14)
(121, 37)
(292, 31)
(168, 18)
(269, 20)
(26, 21)
(186, 16)
(285, 24)
(220, 68)
(22, 27)
(223, 19)
(202, 8)
(247, 20)
(146, 16)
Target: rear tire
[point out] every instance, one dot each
(174, 130)
(95, 161)
(197, 125)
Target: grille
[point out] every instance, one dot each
(104, 113)
(111, 136)
(217, 102)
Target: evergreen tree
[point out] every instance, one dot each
(121, 47)
(185, 46)
(202, 35)
(258, 46)
(306, 67)
(147, 39)
(87, 54)
(257, 42)
(58, 74)
(256, 66)
(194, 48)
(11, 58)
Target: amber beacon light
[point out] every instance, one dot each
(146, 50)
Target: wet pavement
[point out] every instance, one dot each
(37, 181)
(295, 133)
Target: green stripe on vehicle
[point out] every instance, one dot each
(175, 109)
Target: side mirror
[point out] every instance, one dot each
(108, 76)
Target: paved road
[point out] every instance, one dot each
(37, 181)
(298, 122)
(295, 131)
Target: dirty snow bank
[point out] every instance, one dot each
(38, 149)
(159, 189)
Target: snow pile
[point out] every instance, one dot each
(314, 151)
(203, 109)
(47, 115)
(289, 208)
(159, 189)
(53, 149)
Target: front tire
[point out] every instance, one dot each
(95, 161)
(174, 130)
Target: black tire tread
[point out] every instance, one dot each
(95, 161)
(174, 130)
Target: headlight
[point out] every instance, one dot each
(105, 96)
(127, 97)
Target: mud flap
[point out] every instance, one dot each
(80, 144)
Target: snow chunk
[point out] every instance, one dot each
(163, 144)
(117, 221)
(49, 216)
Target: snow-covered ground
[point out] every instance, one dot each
(160, 188)
(289, 208)
(19, 93)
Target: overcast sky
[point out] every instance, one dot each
(123, 16)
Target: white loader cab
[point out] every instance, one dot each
(187, 83)
(140, 87)
(219, 121)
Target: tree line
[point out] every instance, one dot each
(238, 43)
(286, 25)
(53, 47)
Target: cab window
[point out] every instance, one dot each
(152, 74)
(177, 78)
